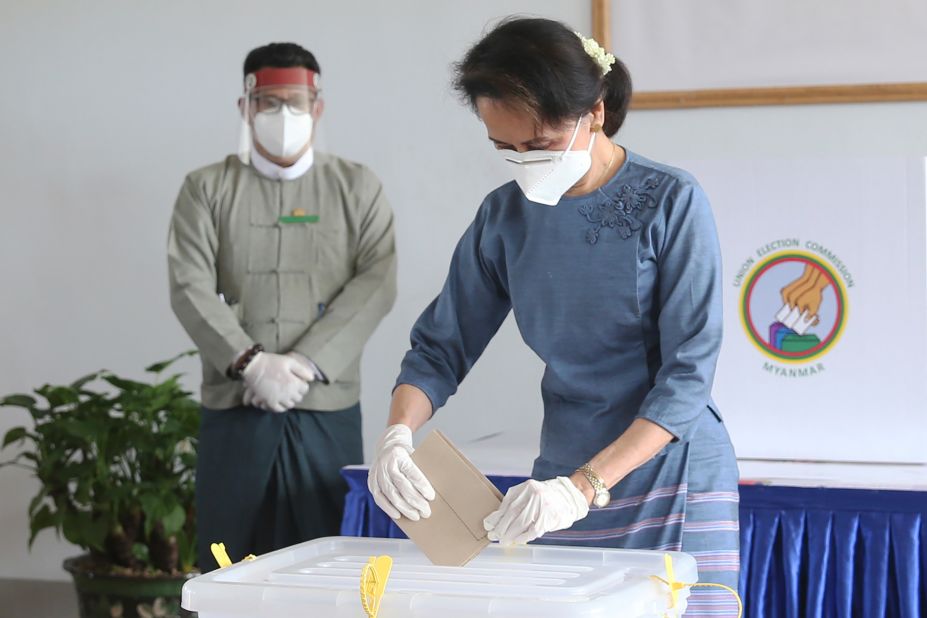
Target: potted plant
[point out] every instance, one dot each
(115, 459)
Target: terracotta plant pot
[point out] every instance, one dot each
(125, 596)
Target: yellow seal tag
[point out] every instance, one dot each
(373, 583)
(675, 586)
(221, 556)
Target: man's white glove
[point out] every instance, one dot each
(276, 382)
(534, 508)
(398, 486)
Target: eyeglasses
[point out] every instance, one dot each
(299, 103)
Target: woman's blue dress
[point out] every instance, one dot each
(619, 293)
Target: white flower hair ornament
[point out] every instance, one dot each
(602, 58)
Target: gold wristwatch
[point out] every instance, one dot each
(602, 497)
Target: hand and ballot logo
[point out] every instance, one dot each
(794, 304)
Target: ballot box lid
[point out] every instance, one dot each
(322, 578)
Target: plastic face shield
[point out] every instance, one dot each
(269, 90)
(299, 99)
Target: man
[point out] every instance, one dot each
(282, 262)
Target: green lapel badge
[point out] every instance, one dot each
(298, 216)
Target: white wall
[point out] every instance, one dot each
(106, 105)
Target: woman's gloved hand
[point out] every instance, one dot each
(397, 484)
(276, 382)
(534, 508)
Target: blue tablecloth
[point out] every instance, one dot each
(809, 552)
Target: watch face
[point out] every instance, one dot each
(602, 498)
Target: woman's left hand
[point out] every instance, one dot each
(534, 508)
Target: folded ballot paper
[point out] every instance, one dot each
(454, 533)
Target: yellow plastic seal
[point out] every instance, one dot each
(373, 583)
(675, 586)
(221, 556)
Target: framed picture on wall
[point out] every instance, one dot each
(715, 53)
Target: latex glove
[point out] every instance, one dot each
(317, 375)
(276, 382)
(398, 486)
(534, 508)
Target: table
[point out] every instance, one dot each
(812, 551)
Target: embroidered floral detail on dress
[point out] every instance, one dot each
(619, 211)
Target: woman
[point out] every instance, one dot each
(611, 265)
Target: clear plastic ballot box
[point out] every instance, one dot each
(321, 579)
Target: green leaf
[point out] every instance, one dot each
(86, 428)
(85, 529)
(186, 550)
(130, 386)
(59, 395)
(27, 456)
(75, 527)
(173, 522)
(80, 382)
(37, 501)
(159, 401)
(19, 401)
(43, 519)
(96, 533)
(159, 367)
(82, 489)
(154, 510)
(15, 434)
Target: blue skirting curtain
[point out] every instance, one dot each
(805, 552)
(825, 552)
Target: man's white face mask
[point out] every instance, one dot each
(283, 133)
(545, 175)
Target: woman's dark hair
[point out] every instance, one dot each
(280, 56)
(540, 66)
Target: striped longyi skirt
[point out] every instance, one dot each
(684, 499)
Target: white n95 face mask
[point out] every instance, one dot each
(545, 175)
(283, 133)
